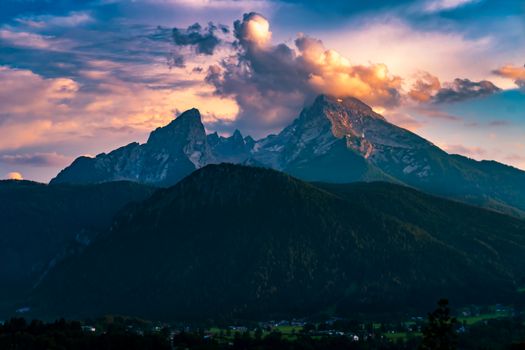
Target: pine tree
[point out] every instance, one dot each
(440, 333)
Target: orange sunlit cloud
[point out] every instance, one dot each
(114, 87)
(58, 109)
(512, 72)
(14, 176)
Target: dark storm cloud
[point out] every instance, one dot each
(270, 83)
(427, 88)
(35, 159)
(204, 40)
(464, 89)
(176, 60)
(114, 47)
(95, 32)
(265, 80)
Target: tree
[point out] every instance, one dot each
(439, 332)
(308, 327)
(258, 334)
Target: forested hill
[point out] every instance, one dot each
(237, 241)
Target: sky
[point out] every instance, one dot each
(81, 77)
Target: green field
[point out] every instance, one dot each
(402, 335)
(288, 332)
(475, 319)
(289, 329)
(469, 320)
(291, 332)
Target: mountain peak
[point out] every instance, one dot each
(345, 116)
(190, 114)
(348, 103)
(337, 139)
(237, 135)
(186, 124)
(191, 117)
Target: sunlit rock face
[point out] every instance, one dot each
(177, 149)
(170, 153)
(341, 140)
(336, 139)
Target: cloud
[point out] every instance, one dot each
(72, 19)
(465, 150)
(445, 5)
(36, 159)
(463, 89)
(112, 66)
(492, 123)
(499, 123)
(27, 39)
(14, 176)
(512, 72)
(270, 83)
(202, 39)
(176, 60)
(433, 113)
(515, 157)
(404, 120)
(330, 72)
(23, 93)
(407, 48)
(253, 29)
(57, 113)
(327, 11)
(427, 88)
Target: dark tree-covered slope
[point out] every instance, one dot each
(40, 224)
(237, 241)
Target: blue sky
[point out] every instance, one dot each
(83, 77)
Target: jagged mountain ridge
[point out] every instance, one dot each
(170, 153)
(334, 140)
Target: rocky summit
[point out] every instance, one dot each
(336, 140)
